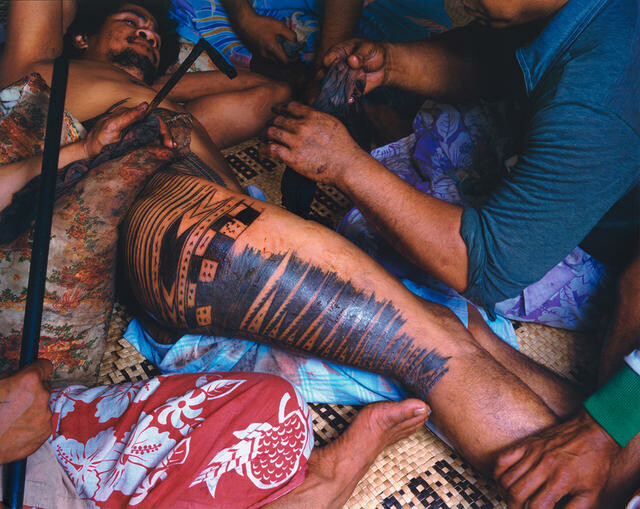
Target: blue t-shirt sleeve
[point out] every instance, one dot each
(578, 161)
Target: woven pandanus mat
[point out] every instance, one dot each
(419, 471)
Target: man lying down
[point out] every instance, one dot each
(202, 257)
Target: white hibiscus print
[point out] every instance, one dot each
(84, 462)
(184, 408)
(143, 449)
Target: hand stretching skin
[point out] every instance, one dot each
(572, 459)
(373, 57)
(319, 147)
(315, 144)
(25, 418)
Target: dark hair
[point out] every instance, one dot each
(91, 15)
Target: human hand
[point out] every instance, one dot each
(108, 129)
(370, 56)
(569, 459)
(260, 34)
(25, 418)
(314, 144)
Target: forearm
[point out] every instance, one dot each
(15, 176)
(238, 11)
(466, 62)
(422, 228)
(339, 22)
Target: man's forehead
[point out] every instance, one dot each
(140, 12)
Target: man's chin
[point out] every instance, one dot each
(135, 63)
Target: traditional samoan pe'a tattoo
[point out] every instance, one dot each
(179, 245)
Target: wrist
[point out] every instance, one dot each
(391, 64)
(601, 439)
(245, 16)
(350, 172)
(84, 150)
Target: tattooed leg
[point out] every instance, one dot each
(208, 260)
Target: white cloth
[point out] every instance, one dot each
(47, 485)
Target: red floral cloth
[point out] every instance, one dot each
(202, 440)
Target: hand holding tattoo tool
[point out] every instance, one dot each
(202, 45)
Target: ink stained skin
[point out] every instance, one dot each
(179, 245)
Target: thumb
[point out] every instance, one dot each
(287, 33)
(128, 117)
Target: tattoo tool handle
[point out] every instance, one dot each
(202, 45)
(16, 471)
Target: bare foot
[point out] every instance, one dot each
(334, 471)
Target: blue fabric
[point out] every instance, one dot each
(389, 20)
(579, 173)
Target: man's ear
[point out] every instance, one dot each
(80, 42)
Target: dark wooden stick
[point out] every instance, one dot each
(39, 254)
(220, 62)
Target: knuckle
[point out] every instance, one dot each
(518, 495)
(30, 379)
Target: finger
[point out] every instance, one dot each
(583, 501)
(526, 486)
(287, 33)
(126, 118)
(278, 135)
(279, 153)
(297, 109)
(371, 55)
(165, 135)
(508, 459)
(276, 52)
(287, 123)
(338, 52)
(362, 52)
(553, 491)
(519, 469)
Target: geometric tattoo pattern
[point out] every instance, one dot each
(179, 247)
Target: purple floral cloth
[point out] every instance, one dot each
(458, 154)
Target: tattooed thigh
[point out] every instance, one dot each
(186, 269)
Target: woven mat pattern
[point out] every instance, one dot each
(419, 471)
(328, 206)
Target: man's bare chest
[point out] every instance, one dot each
(91, 94)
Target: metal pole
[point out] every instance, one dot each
(14, 493)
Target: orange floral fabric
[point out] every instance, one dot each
(82, 253)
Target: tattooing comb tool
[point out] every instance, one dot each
(215, 56)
